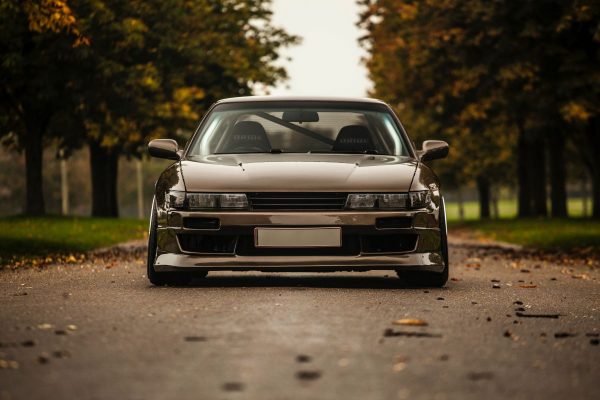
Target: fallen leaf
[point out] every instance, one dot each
(308, 375)
(8, 364)
(562, 335)
(528, 286)
(523, 315)
(302, 358)
(393, 333)
(61, 354)
(43, 358)
(44, 326)
(343, 362)
(399, 366)
(194, 339)
(233, 386)
(410, 322)
(476, 376)
(581, 276)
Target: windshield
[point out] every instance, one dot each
(298, 129)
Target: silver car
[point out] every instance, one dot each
(298, 184)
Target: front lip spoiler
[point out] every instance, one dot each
(412, 261)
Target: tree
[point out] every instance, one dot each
(422, 57)
(33, 78)
(494, 75)
(153, 67)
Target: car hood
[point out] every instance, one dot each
(298, 173)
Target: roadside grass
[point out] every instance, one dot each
(573, 234)
(508, 209)
(23, 238)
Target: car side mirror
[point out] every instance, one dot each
(164, 148)
(433, 150)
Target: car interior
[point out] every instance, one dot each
(299, 131)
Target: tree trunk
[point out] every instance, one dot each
(584, 197)
(495, 208)
(594, 138)
(558, 181)
(104, 163)
(524, 199)
(34, 152)
(537, 171)
(596, 195)
(461, 205)
(483, 189)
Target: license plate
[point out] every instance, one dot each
(298, 237)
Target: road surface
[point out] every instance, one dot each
(98, 330)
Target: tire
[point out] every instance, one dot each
(427, 278)
(161, 278)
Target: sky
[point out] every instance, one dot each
(328, 61)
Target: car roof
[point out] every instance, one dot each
(252, 99)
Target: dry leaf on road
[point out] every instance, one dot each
(410, 322)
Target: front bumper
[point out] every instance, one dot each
(419, 232)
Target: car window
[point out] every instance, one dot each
(298, 130)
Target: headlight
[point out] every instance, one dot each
(233, 201)
(216, 200)
(202, 200)
(420, 199)
(175, 199)
(394, 200)
(361, 201)
(398, 201)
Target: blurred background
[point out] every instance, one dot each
(512, 86)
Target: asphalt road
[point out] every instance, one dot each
(100, 331)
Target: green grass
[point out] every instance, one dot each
(29, 237)
(547, 234)
(507, 209)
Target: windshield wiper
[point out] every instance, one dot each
(296, 128)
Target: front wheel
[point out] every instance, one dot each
(427, 278)
(161, 278)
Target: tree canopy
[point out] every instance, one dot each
(503, 82)
(111, 74)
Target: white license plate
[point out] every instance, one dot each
(298, 237)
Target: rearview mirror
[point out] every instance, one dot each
(300, 116)
(164, 148)
(433, 150)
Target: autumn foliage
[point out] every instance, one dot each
(112, 74)
(513, 86)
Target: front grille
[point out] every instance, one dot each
(297, 201)
(209, 244)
